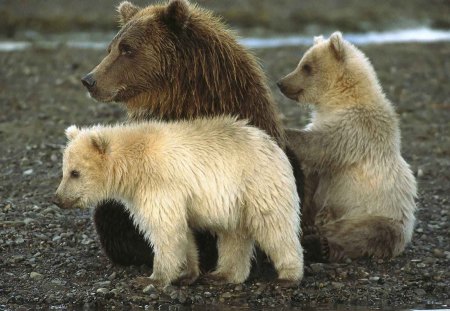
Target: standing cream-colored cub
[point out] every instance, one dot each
(362, 202)
(217, 174)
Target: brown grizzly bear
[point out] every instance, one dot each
(176, 61)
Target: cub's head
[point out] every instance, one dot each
(84, 169)
(141, 55)
(317, 71)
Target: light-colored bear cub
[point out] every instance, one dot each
(216, 174)
(363, 194)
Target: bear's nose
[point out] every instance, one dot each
(280, 85)
(88, 81)
(56, 200)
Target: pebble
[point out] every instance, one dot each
(149, 289)
(420, 292)
(112, 276)
(438, 253)
(374, 278)
(102, 290)
(317, 267)
(226, 295)
(36, 276)
(337, 285)
(28, 172)
(419, 172)
(103, 283)
(207, 294)
(19, 240)
(28, 221)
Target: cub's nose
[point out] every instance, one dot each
(88, 81)
(57, 200)
(281, 85)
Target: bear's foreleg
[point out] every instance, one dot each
(234, 262)
(191, 270)
(376, 236)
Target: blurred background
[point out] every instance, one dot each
(261, 17)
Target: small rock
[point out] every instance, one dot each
(337, 285)
(102, 290)
(103, 283)
(419, 172)
(239, 288)
(154, 296)
(149, 289)
(207, 294)
(115, 291)
(421, 265)
(182, 297)
(317, 267)
(374, 278)
(36, 276)
(112, 276)
(420, 292)
(19, 240)
(28, 172)
(438, 253)
(27, 221)
(226, 295)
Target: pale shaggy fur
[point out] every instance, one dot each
(215, 174)
(363, 197)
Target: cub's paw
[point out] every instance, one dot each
(186, 279)
(214, 278)
(316, 248)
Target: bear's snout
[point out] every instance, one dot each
(63, 203)
(57, 200)
(88, 81)
(288, 91)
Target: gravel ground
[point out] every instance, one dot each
(50, 258)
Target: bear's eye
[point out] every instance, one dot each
(125, 49)
(74, 174)
(307, 68)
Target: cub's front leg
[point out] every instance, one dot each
(164, 224)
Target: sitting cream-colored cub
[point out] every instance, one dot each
(216, 174)
(363, 191)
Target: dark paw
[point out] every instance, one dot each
(316, 248)
(186, 279)
(310, 230)
(213, 279)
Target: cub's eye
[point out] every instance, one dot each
(307, 68)
(125, 49)
(74, 174)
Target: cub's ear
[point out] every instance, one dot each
(176, 14)
(72, 132)
(126, 11)
(100, 143)
(318, 40)
(337, 45)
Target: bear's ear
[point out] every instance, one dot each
(318, 40)
(337, 45)
(100, 143)
(72, 132)
(126, 11)
(176, 14)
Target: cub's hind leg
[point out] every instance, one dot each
(373, 236)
